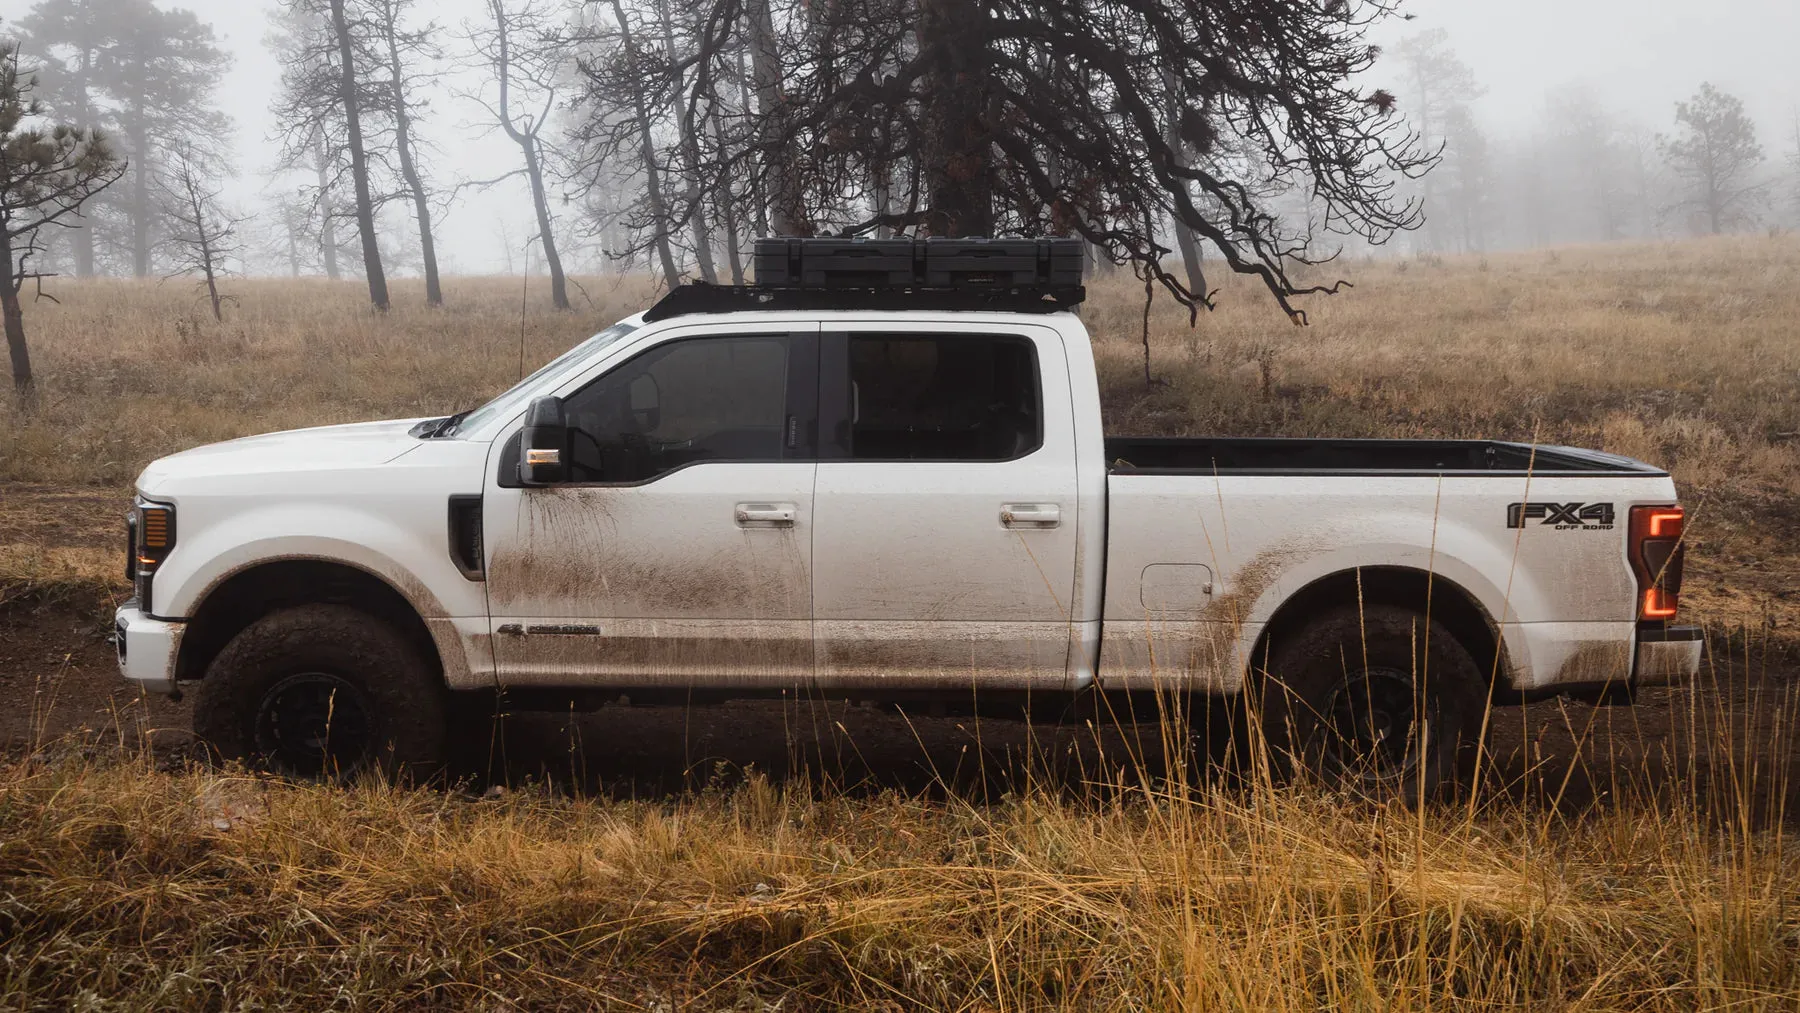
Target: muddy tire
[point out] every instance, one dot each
(1376, 701)
(324, 691)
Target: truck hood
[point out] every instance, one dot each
(295, 452)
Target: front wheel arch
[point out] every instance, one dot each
(239, 600)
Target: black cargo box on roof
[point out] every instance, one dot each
(998, 275)
(955, 264)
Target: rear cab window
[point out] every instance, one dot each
(929, 397)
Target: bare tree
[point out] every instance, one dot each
(46, 174)
(1439, 88)
(201, 235)
(622, 76)
(327, 232)
(1715, 154)
(780, 170)
(1054, 118)
(308, 112)
(687, 128)
(521, 53)
(350, 98)
(402, 50)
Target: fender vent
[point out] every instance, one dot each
(465, 536)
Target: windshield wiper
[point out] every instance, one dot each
(431, 429)
(448, 427)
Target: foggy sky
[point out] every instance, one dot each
(1637, 57)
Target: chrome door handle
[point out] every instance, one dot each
(1030, 515)
(766, 515)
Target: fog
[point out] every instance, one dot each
(1633, 59)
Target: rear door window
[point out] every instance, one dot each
(931, 397)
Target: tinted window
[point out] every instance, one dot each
(943, 398)
(707, 399)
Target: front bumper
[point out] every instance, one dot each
(1668, 655)
(147, 648)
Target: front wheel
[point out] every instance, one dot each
(1377, 700)
(324, 691)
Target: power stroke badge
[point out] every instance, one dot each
(1562, 516)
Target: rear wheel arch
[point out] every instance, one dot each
(239, 600)
(1449, 603)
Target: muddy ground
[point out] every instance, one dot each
(1720, 742)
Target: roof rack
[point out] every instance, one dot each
(996, 275)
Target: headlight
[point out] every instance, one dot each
(152, 533)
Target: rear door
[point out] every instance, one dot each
(945, 509)
(679, 553)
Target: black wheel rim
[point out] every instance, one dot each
(1374, 729)
(315, 724)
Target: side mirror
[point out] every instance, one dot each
(646, 403)
(544, 443)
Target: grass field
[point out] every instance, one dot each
(128, 881)
(131, 889)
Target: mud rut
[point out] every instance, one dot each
(1724, 743)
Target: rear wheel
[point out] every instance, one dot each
(324, 691)
(1376, 700)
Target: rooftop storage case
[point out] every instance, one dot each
(1002, 263)
(836, 263)
(957, 264)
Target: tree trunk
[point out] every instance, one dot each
(328, 241)
(15, 323)
(359, 167)
(434, 294)
(722, 204)
(758, 223)
(647, 150)
(81, 245)
(82, 241)
(15, 343)
(787, 205)
(140, 197)
(559, 291)
(293, 249)
(212, 285)
(957, 142)
(690, 158)
(1192, 259)
(1186, 240)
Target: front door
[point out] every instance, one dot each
(679, 554)
(946, 525)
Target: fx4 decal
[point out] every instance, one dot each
(1562, 516)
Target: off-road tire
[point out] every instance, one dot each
(1313, 701)
(359, 662)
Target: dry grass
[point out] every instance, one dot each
(125, 888)
(1684, 354)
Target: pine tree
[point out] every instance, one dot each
(1715, 155)
(46, 173)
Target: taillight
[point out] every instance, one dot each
(1656, 557)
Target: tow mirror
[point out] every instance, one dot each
(544, 444)
(646, 403)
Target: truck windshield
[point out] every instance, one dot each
(514, 399)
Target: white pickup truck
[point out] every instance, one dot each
(883, 496)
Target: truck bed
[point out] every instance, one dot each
(1133, 455)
